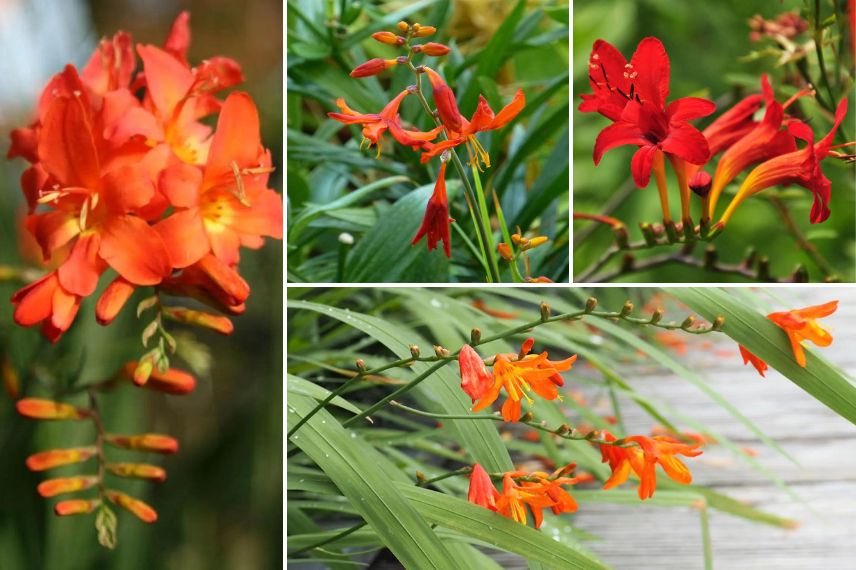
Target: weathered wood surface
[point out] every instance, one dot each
(823, 444)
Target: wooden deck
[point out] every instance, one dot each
(823, 444)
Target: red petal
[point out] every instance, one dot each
(67, 144)
(651, 62)
(168, 79)
(126, 188)
(135, 250)
(112, 300)
(685, 141)
(509, 111)
(689, 108)
(180, 183)
(80, 272)
(435, 224)
(617, 134)
(236, 139)
(184, 237)
(178, 41)
(640, 166)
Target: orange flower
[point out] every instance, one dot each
(748, 357)
(461, 131)
(475, 379)
(481, 491)
(643, 458)
(76, 507)
(801, 324)
(375, 124)
(58, 457)
(140, 509)
(40, 409)
(53, 487)
(514, 499)
(435, 224)
(520, 374)
(154, 442)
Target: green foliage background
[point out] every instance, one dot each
(334, 188)
(705, 41)
(221, 505)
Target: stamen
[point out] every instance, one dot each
(240, 193)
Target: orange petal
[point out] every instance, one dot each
(135, 250)
(167, 78)
(236, 139)
(112, 300)
(184, 236)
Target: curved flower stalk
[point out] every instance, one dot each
(126, 177)
(450, 125)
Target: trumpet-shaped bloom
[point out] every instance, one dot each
(634, 96)
(733, 124)
(518, 375)
(801, 324)
(461, 131)
(481, 491)
(435, 224)
(375, 124)
(748, 357)
(475, 379)
(514, 499)
(643, 458)
(801, 167)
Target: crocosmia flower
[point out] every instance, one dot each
(748, 357)
(481, 491)
(519, 374)
(643, 458)
(801, 324)
(435, 224)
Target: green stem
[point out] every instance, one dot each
(705, 538)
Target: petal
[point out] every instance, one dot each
(687, 142)
(33, 303)
(134, 249)
(168, 79)
(651, 62)
(617, 134)
(126, 188)
(112, 300)
(444, 100)
(184, 236)
(818, 311)
(53, 230)
(236, 140)
(180, 183)
(509, 111)
(178, 41)
(675, 469)
(640, 166)
(619, 475)
(67, 147)
(80, 272)
(688, 108)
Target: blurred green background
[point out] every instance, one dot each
(221, 505)
(705, 42)
(496, 46)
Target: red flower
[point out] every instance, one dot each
(748, 357)
(481, 491)
(375, 124)
(435, 224)
(801, 167)
(801, 324)
(460, 130)
(475, 379)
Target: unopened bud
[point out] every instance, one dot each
(626, 309)
(527, 417)
(39, 409)
(45, 460)
(143, 371)
(475, 336)
(688, 322)
(545, 311)
(591, 304)
(138, 508)
(153, 442)
(173, 381)
(401, 60)
(54, 487)
(76, 507)
(138, 471)
(440, 352)
(622, 237)
(435, 49)
(420, 477)
(657, 316)
(11, 379)
(563, 429)
(414, 351)
(517, 239)
(372, 67)
(717, 323)
(423, 31)
(217, 323)
(700, 183)
(800, 274)
(346, 239)
(388, 38)
(361, 365)
(505, 251)
(112, 300)
(648, 233)
(531, 243)
(402, 25)
(416, 27)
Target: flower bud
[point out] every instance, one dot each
(402, 25)
(141, 510)
(435, 49)
(76, 507)
(58, 457)
(143, 371)
(53, 487)
(591, 304)
(39, 409)
(626, 309)
(657, 316)
(217, 323)
(517, 239)
(688, 322)
(717, 323)
(372, 67)
(475, 379)
(154, 442)
(545, 311)
(423, 31)
(539, 279)
(475, 336)
(112, 300)
(173, 381)
(505, 251)
(532, 243)
(388, 38)
(414, 351)
(11, 379)
(360, 364)
(700, 183)
(138, 471)
(440, 352)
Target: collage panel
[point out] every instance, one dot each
(428, 142)
(713, 142)
(140, 272)
(589, 428)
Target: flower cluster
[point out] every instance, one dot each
(172, 381)
(537, 491)
(633, 96)
(125, 176)
(517, 374)
(454, 127)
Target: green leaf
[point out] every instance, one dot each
(385, 253)
(760, 336)
(310, 51)
(364, 475)
(503, 533)
(479, 439)
(298, 385)
(553, 181)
